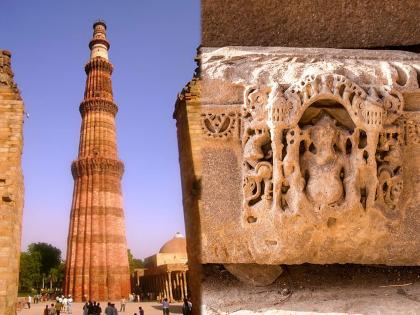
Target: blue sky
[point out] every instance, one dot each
(153, 44)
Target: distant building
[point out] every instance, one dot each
(165, 273)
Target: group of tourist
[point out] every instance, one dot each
(35, 299)
(141, 311)
(63, 304)
(94, 308)
(186, 307)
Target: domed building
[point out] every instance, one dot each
(165, 273)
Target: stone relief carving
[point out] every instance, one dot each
(411, 130)
(389, 160)
(98, 104)
(83, 167)
(323, 143)
(219, 125)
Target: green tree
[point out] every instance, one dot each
(56, 275)
(39, 263)
(50, 256)
(134, 262)
(29, 271)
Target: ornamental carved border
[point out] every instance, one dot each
(218, 124)
(98, 104)
(410, 126)
(91, 166)
(323, 143)
(99, 63)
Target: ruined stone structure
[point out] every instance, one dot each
(300, 155)
(97, 261)
(11, 184)
(303, 155)
(165, 273)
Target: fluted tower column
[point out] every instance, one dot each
(97, 261)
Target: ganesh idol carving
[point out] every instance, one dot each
(322, 144)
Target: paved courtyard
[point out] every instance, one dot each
(150, 308)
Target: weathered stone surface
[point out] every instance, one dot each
(11, 184)
(97, 261)
(316, 289)
(308, 23)
(318, 161)
(254, 274)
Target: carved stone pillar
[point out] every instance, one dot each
(184, 280)
(166, 286)
(170, 296)
(178, 287)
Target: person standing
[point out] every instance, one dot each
(90, 308)
(108, 309)
(141, 311)
(122, 308)
(58, 307)
(65, 301)
(29, 301)
(52, 310)
(46, 310)
(69, 304)
(189, 304)
(186, 309)
(114, 310)
(85, 308)
(165, 306)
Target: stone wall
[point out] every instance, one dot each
(309, 23)
(11, 184)
(187, 113)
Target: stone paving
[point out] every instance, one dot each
(150, 308)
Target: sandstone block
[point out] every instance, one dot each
(315, 160)
(308, 23)
(257, 275)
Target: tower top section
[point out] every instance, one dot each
(99, 45)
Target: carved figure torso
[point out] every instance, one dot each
(324, 185)
(322, 165)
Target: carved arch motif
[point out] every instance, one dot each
(290, 163)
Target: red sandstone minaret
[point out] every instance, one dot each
(97, 262)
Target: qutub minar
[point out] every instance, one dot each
(97, 261)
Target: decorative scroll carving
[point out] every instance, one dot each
(389, 160)
(98, 104)
(91, 166)
(411, 130)
(219, 125)
(323, 143)
(257, 151)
